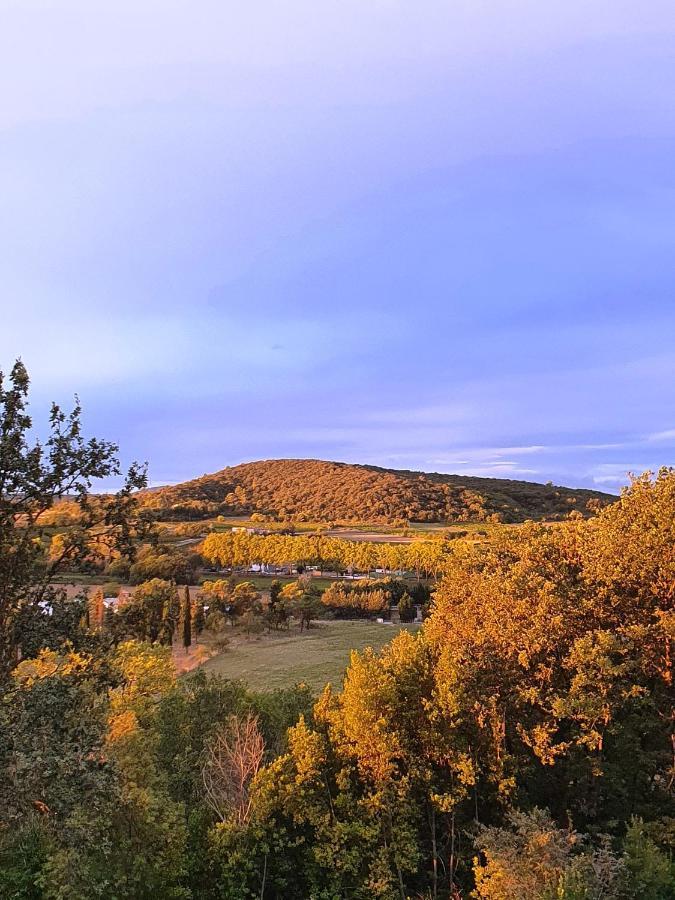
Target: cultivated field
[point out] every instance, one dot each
(314, 657)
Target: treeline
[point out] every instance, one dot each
(366, 598)
(300, 490)
(237, 548)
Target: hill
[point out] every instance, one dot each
(314, 490)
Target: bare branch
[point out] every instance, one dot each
(232, 759)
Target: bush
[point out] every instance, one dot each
(216, 622)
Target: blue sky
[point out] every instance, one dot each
(433, 235)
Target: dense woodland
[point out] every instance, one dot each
(312, 490)
(520, 745)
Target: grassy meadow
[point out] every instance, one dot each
(314, 657)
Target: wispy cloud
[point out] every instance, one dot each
(659, 436)
(616, 474)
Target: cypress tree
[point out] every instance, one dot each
(199, 619)
(406, 610)
(187, 620)
(96, 608)
(109, 620)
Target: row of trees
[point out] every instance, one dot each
(158, 612)
(242, 603)
(150, 560)
(230, 549)
(153, 612)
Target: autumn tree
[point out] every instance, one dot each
(96, 609)
(216, 595)
(245, 598)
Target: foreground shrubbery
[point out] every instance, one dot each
(102, 790)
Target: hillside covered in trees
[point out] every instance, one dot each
(314, 490)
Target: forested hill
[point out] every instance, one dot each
(314, 490)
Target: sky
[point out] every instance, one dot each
(434, 236)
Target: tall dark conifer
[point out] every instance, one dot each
(187, 620)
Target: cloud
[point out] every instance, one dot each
(498, 470)
(657, 436)
(615, 474)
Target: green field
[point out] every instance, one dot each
(313, 657)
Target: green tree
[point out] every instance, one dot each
(307, 607)
(405, 608)
(187, 619)
(275, 590)
(80, 787)
(34, 478)
(199, 621)
(151, 613)
(651, 872)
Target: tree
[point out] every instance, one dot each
(216, 595)
(275, 590)
(406, 609)
(651, 872)
(187, 619)
(303, 600)
(277, 615)
(80, 788)
(162, 562)
(34, 478)
(307, 608)
(246, 600)
(199, 621)
(232, 759)
(96, 609)
(151, 613)
(527, 860)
